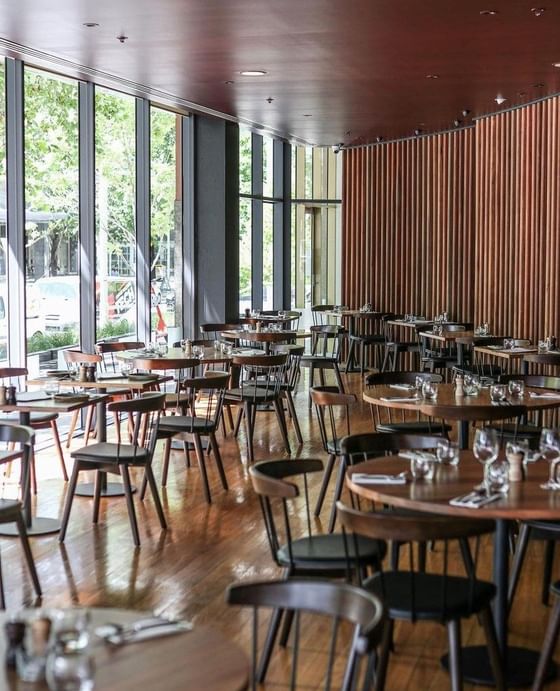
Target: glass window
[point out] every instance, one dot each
(245, 263)
(166, 224)
(245, 153)
(3, 240)
(51, 217)
(268, 256)
(115, 223)
(268, 167)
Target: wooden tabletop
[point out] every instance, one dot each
(48, 405)
(525, 500)
(410, 325)
(264, 336)
(104, 382)
(372, 314)
(201, 659)
(515, 354)
(447, 336)
(472, 405)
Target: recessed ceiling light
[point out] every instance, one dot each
(379, 139)
(500, 99)
(538, 85)
(556, 64)
(465, 112)
(90, 25)
(229, 81)
(269, 99)
(253, 73)
(418, 132)
(457, 123)
(122, 38)
(488, 13)
(307, 115)
(538, 11)
(432, 76)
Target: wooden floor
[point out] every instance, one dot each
(185, 571)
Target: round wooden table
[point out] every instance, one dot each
(463, 409)
(525, 500)
(266, 337)
(202, 659)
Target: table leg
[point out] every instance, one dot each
(519, 663)
(460, 354)
(36, 525)
(463, 434)
(108, 489)
(351, 365)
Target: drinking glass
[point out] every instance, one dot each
(516, 388)
(485, 446)
(471, 385)
(52, 387)
(549, 446)
(542, 347)
(447, 452)
(162, 349)
(423, 466)
(196, 351)
(126, 368)
(70, 665)
(508, 343)
(496, 477)
(429, 390)
(418, 381)
(485, 329)
(498, 393)
(217, 345)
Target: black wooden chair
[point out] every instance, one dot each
(117, 458)
(206, 396)
(412, 595)
(337, 602)
(325, 355)
(282, 487)
(22, 438)
(549, 643)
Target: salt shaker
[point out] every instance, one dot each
(459, 386)
(83, 374)
(2, 395)
(516, 470)
(188, 347)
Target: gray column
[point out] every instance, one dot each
(188, 224)
(216, 219)
(87, 215)
(143, 258)
(15, 194)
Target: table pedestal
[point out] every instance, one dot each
(38, 526)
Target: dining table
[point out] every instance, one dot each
(264, 336)
(525, 500)
(201, 658)
(28, 402)
(463, 409)
(512, 356)
(353, 316)
(449, 338)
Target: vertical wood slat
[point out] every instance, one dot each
(408, 225)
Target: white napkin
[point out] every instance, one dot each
(404, 387)
(152, 632)
(367, 479)
(398, 398)
(474, 500)
(545, 394)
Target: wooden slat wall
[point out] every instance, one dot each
(408, 213)
(517, 221)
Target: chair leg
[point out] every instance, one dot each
(166, 455)
(496, 662)
(2, 596)
(454, 636)
(282, 424)
(293, 415)
(218, 459)
(238, 422)
(97, 494)
(73, 423)
(518, 558)
(33, 471)
(286, 628)
(69, 499)
(383, 663)
(249, 426)
(338, 378)
(548, 647)
(89, 423)
(149, 474)
(59, 451)
(202, 466)
(337, 492)
(28, 557)
(130, 504)
(324, 484)
(547, 571)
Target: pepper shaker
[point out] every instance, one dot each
(11, 395)
(15, 632)
(3, 395)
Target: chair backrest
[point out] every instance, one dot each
(269, 480)
(206, 395)
(146, 411)
(387, 378)
(360, 447)
(409, 529)
(318, 313)
(294, 353)
(338, 601)
(108, 350)
(261, 375)
(163, 365)
(19, 434)
(327, 340)
(73, 356)
(332, 424)
(211, 331)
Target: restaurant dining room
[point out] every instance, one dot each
(279, 345)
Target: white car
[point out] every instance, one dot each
(57, 299)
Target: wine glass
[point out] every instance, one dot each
(549, 446)
(485, 447)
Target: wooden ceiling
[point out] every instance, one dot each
(346, 72)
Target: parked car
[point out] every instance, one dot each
(58, 301)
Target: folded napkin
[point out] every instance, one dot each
(418, 454)
(404, 387)
(166, 629)
(544, 394)
(474, 500)
(25, 396)
(368, 479)
(398, 398)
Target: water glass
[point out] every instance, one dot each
(549, 446)
(52, 387)
(485, 446)
(485, 329)
(423, 466)
(125, 368)
(217, 345)
(498, 393)
(429, 390)
(542, 347)
(447, 452)
(516, 388)
(509, 343)
(496, 477)
(471, 385)
(70, 666)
